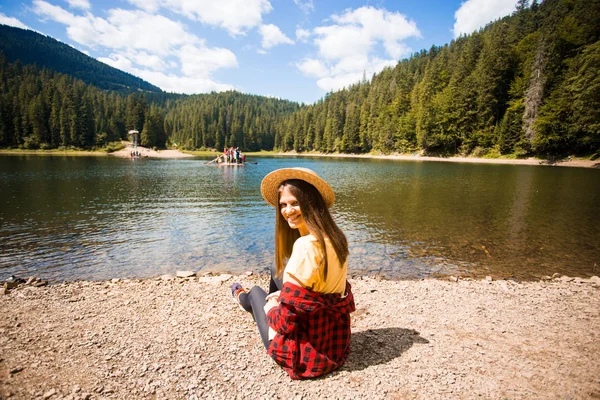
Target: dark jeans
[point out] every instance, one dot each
(254, 302)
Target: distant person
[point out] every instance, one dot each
(304, 321)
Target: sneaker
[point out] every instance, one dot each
(236, 290)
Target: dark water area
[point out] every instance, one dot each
(72, 218)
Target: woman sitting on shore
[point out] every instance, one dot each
(304, 322)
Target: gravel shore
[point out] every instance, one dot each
(173, 337)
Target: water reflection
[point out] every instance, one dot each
(97, 218)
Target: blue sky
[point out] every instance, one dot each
(291, 49)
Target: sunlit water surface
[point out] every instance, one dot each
(71, 218)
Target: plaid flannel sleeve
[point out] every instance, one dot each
(283, 318)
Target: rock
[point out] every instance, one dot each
(488, 278)
(11, 285)
(167, 277)
(224, 277)
(453, 278)
(546, 278)
(16, 370)
(556, 275)
(185, 274)
(565, 278)
(595, 280)
(115, 280)
(49, 393)
(249, 273)
(39, 283)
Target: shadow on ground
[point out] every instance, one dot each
(379, 346)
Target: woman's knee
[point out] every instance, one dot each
(257, 293)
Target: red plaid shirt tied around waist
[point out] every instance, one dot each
(313, 331)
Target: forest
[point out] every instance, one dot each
(524, 85)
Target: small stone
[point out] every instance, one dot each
(546, 278)
(565, 278)
(115, 280)
(488, 278)
(49, 393)
(556, 275)
(167, 277)
(453, 278)
(249, 273)
(595, 279)
(16, 370)
(76, 389)
(11, 284)
(39, 283)
(185, 274)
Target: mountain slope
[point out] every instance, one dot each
(33, 48)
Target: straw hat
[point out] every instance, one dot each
(273, 180)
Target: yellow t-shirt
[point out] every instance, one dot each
(304, 267)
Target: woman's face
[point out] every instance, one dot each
(290, 210)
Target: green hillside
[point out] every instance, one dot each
(527, 84)
(30, 47)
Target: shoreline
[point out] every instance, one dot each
(581, 163)
(177, 154)
(183, 337)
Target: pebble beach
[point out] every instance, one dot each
(174, 337)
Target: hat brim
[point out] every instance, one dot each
(270, 184)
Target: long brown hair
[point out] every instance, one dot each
(318, 221)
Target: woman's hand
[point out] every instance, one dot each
(272, 301)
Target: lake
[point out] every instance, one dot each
(72, 218)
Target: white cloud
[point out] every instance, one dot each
(272, 36)
(83, 4)
(306, 6)
(235, 16)
(347, 48)
(302, 35)
(11, 21)
(312, 67)
(474, 14)
(336, 42)
(152, 47)
(201, 60)
(124, 29)
(147, 60)
(380, 25)
(166, 81)
(150, 6)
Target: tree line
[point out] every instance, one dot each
(527, 84)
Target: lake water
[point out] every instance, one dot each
(71, 218)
